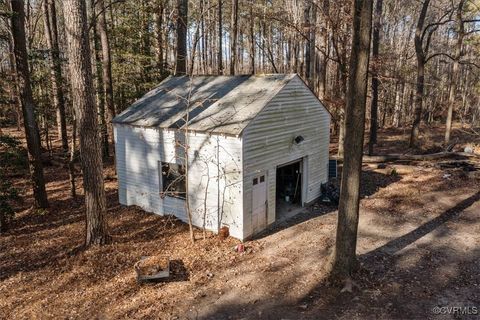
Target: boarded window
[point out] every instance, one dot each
(173, 180)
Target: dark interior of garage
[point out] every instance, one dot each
(289, 188)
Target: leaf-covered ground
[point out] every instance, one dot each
(419, 248)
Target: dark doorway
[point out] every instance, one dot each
(289, 189)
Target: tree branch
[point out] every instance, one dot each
(439, 54)
(472, 31)
(435, 25)
(471, 21)
(97, 14)
(303, 35)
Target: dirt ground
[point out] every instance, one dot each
(418, 245)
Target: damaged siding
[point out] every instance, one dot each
(268, 143)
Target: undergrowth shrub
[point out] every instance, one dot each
(8, 194)
(12, 155)
(13, 158)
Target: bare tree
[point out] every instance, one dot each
(252, 39)
(71, 160)
(375, 82)
(98, 77)
(106, 65)
(310, 15)
(220, 36)
(51, 34)
(460, 34)
(160, 8)
(28, 106)
(14, 92)
(85, 112)
(423, 38)
(344, 261)
(181, 54)
(234, 36)
(421, 57)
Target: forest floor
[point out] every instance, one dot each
(418, 245)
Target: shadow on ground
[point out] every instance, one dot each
(371, 182)
(433, 265)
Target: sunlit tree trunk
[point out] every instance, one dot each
(343, 260)
(85, 112)
(322, 58)
(453, 85)
(51, 35)
(375, 82)
(252, 39)
(99, 85)
(106, 67)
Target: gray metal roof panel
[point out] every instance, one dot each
(217, 104)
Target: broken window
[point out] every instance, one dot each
(173, 180)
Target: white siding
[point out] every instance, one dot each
(213, 160)
(268, 143)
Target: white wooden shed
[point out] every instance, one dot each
(256, 145)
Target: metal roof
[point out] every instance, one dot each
(216, 104)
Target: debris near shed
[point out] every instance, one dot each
(224, 233)
(330, 193)
(459, 164)
(239, 248)
(152, 268)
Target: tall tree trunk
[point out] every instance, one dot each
(343, 92)
(196, 42)
(28, 106)
(312, 45)
(85, 113)
(204, 38)
(455, 67)
(344, 260)
(252, 39)
(234, 36)
(106, 66)
(420, 54)
(220, 36)
(375, 82)
(100, 88)
(181, 54)
(196, 39)
(51, 34)
(397, 112)
(159, 36)
(323, 61)
(71, 161)
(14, 92)
(308, 25)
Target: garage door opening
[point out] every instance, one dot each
(289, 190)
